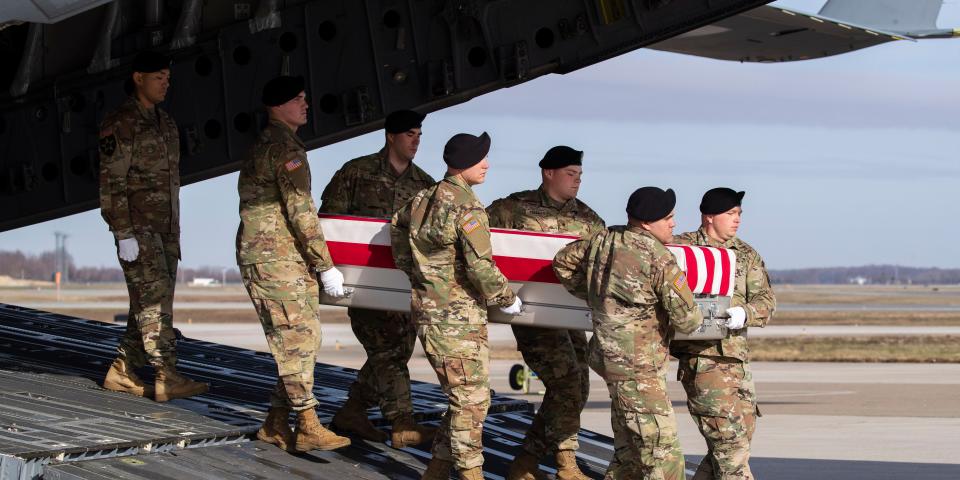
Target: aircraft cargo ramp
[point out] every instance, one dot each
(57, 423)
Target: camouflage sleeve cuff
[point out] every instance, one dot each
(506, 298)
(122, 234)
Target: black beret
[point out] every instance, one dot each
(403, 120)
(649, 204)
(281, 90)
(464, 150)
(719, 200)
(561, 156)
(149, 62)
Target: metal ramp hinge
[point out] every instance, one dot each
(440, 77)
(572, 29)
(357, 106)
(514, 62)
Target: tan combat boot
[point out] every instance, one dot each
(120, 378)
(406, 433)
(524, 467)
(475, 473)
(437, 470)
(276, 429)
(170, 385)
(311, 435)
(352, 418)
(567, 468)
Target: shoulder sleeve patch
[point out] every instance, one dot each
(678, 283)
(294, 167)
(469, 222)
(108, 142)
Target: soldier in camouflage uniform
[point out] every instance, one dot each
(441, 239)
(140, 201)
(716, 374)
(377, 185)
(559, 357)
(638, 296)
(279, 245)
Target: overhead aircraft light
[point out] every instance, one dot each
(872, 32)
(788, 12)
(848, 27)
(815, 19)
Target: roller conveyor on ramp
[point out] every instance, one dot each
(57, 423)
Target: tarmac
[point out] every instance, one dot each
(820, 420)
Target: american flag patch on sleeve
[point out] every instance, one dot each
(293, 164)
(469, 223)
(679, 281)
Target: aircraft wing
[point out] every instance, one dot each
(773, 34)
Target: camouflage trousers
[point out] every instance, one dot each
(722, 401)
(460, 355)
(384, 380)
(151, 280)
(559, 357)
(287, 299)
(645, 440)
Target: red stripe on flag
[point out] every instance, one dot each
(332, 216)
(711, 269)
(516, 269)
(361, 254)
(691, 270)
(725, 272)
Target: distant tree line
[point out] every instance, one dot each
(42, 267)
(869, 274)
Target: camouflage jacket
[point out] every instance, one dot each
(636, 292)
(751, 291)
(139, 171)
(535, 211)
(278, 219)
(441, 239)
(369, 187)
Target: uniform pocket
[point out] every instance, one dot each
(458, 341)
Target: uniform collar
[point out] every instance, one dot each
(147, 113)
(412, 170)
(287, 131)
(704, 239)
(458, 181)
(547, 201)
(640, 232)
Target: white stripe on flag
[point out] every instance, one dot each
(701, 270)
(516, 244)
(678, 254)
(355, 231)
(717, 270)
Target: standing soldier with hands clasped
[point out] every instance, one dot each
(716, 375)
(280, 247)
(441, 240)
(559, 357)
(377, 185)
(140, 201)
(637, 295)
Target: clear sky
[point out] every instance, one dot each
(848, 160)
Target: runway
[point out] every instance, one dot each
(820, 420)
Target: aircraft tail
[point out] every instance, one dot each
(898, 16)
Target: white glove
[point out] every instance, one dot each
(738, 317)
(332, 281)
(515, 309)
(128, 249)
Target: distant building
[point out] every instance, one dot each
(204, 282)
(859, 280)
